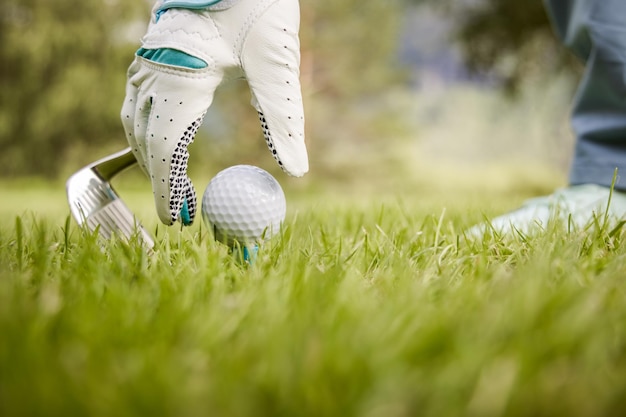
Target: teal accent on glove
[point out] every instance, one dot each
(185, 217)
(172, 57)
(188, 4)
(184, 4)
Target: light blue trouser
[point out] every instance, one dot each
(595, 30)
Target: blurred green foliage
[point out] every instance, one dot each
(509, 40)
(61, 77)
(349, 46)
(63, 66)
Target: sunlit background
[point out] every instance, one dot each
(401, 96)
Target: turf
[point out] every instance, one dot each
(355, 309)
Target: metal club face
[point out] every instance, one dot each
(94, 203)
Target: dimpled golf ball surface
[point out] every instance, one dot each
(243, 203)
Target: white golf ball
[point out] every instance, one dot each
(243, 203)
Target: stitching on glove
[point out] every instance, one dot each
(212, 33)
(179, 182)
(254, 15)
(268, 139)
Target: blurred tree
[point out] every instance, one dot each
(512, 39)
(508, 40)
(349, 45)
(63, 66)
(62, 71)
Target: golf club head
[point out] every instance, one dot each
(94, 203)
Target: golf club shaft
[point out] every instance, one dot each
(112, 165)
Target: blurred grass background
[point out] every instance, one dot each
(359, 308)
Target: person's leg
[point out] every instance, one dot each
(598, 31)
(595, 30)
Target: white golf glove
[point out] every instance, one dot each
(165, 103)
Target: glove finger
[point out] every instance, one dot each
(170, 105)
(181, 187)
(271, 62)
(167, 141)
(133, 122)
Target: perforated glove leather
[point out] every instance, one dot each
(165, 103)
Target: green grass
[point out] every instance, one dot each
(367, 308)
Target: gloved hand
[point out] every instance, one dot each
(165, 103)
